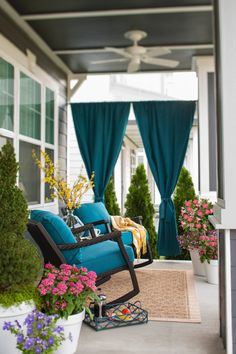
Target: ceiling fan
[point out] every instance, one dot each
(137, 54)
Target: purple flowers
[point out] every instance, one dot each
(38, 335)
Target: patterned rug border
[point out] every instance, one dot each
(193, 305)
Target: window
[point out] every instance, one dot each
(48, 190)
(6, 95)
(30, 107)
(29, 175)
(3, 141)
(34, 126)
(49, 116)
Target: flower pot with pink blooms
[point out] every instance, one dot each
(67, 292)
(208, 251)
(194, 222)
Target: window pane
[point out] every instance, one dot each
(3, 141)
(49, 116)
(48, 190)
(29, 176)
(6, 95)
(30, 107)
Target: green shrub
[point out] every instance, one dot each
(111, 203)
(20, 263)
(14, 208)
(138, 202)
(184, 191)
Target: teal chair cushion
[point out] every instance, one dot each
(89, 212)
(104, 256)
(59, 232)
(127, 237)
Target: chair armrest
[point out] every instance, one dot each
(86, 227)
(137, 219)
(111, 236)
(104, 222)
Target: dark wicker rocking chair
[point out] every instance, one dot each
(52, 252)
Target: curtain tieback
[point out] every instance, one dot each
(166, 209)
(99, 199)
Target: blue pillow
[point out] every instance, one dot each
(59, 232)
(89, 212)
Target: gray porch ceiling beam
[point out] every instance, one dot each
(106, 13)
(102, 50)
(11, 12)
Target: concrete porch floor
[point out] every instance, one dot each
(163, 337)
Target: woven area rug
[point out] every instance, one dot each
(167, 295)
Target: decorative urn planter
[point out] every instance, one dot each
(72, 327)
(10, 314)
(198, 267)
(212, 271)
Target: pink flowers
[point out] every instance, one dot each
(194, 222)
(194, 215)
(66, 290)
(208, 246)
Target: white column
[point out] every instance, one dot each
(203, 65)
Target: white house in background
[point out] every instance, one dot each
(132, 88)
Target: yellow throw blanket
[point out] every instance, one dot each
(138, 231)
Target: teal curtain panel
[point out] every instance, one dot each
(100, 129)
(165, 128)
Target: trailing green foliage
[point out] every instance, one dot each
(14, 208)
(20, 263)
(111, 203)
(184, 191)
(138, 202)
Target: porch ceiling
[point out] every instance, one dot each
(77, 31)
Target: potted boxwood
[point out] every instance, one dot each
(20, 263)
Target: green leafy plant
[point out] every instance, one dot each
(139, 203)
(111, 203)
(184, 191)
(20, 263)
(14, 208)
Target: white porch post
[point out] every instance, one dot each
(225, 210)
(203, 66)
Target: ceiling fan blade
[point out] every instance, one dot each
(120, 51)
(157, 51)
(161, 62)
(133, 66)
(108, 61)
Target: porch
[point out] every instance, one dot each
(163, 337)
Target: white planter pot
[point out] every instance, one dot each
(198, 267)
(212, 272)
(72, 327)
(10, 314)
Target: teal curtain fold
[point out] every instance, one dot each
(165, 128)
(100, 129)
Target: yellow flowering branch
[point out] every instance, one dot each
(71, 196)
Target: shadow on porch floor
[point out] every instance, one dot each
(163, 337)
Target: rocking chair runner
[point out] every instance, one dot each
(97, 214)
(113, 248)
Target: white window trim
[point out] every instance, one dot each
(9, 52)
